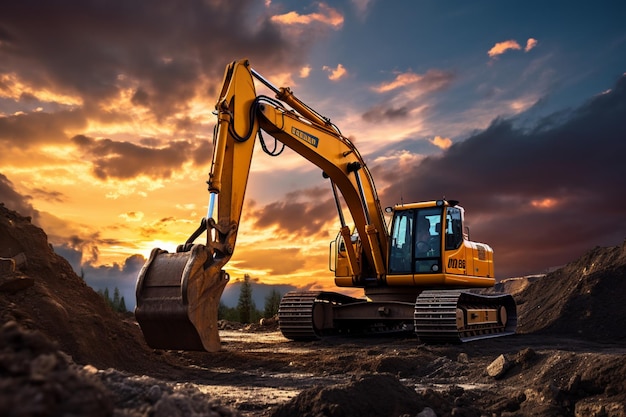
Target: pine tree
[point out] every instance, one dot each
(122, 307)
(227, 313)
(272, 302)
(117, 303)
(245, 305)
(107, 297)
(116, 299)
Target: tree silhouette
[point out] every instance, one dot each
(117, 303)
(272, 302)
(245, 305)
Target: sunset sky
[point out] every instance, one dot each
(517, 109)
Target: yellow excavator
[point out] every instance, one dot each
(417, 275)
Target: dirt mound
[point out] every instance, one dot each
(36, 379)
(371, 395)
(583, 299)
(44, 293)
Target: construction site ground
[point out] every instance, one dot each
(63, 351)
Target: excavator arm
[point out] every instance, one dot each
(311, 136)
(178, 294)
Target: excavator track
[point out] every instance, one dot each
(442, 316)
(447, 316)
(308, 315)
(295, 315)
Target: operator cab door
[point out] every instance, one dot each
(415, 244)
(457, 261)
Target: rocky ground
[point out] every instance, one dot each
(64, 352)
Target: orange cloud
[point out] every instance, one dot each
(336, 73)
(15, 88)
(501, 47)
(440, 142)
(530, 44)
(545, 203)
(132, 216)
(401, 80)
(326, 15)
(430, 81)
(305, 71)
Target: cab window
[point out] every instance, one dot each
(401, 241)
(454, 228)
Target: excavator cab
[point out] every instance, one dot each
(429, 245)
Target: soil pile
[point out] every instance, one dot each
(60, 343)
(44, 293)
(371, 395)
(583, 299)
(36, 379)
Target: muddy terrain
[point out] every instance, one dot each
(63, 351)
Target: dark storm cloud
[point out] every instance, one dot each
(14, 200)
(26, 129)
(540, 196)
(384, 112)
(123, 277)
(161, 49)
(123, 160)
(295, 216)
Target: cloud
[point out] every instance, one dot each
(540, 195)
(124, 160)
(326, 16)
(132, 216)
(305, 71)
(432, 80)
(122, 277)
(362, 7)
(385, 112)
(404, 95)
(501, 47)
(302, 212)
(26, 130)
(88, 54)
(337, 73)
(14, 200)
(291, 260)
(442, 143)
(530, 44)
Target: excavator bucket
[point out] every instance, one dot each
(178, 296)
